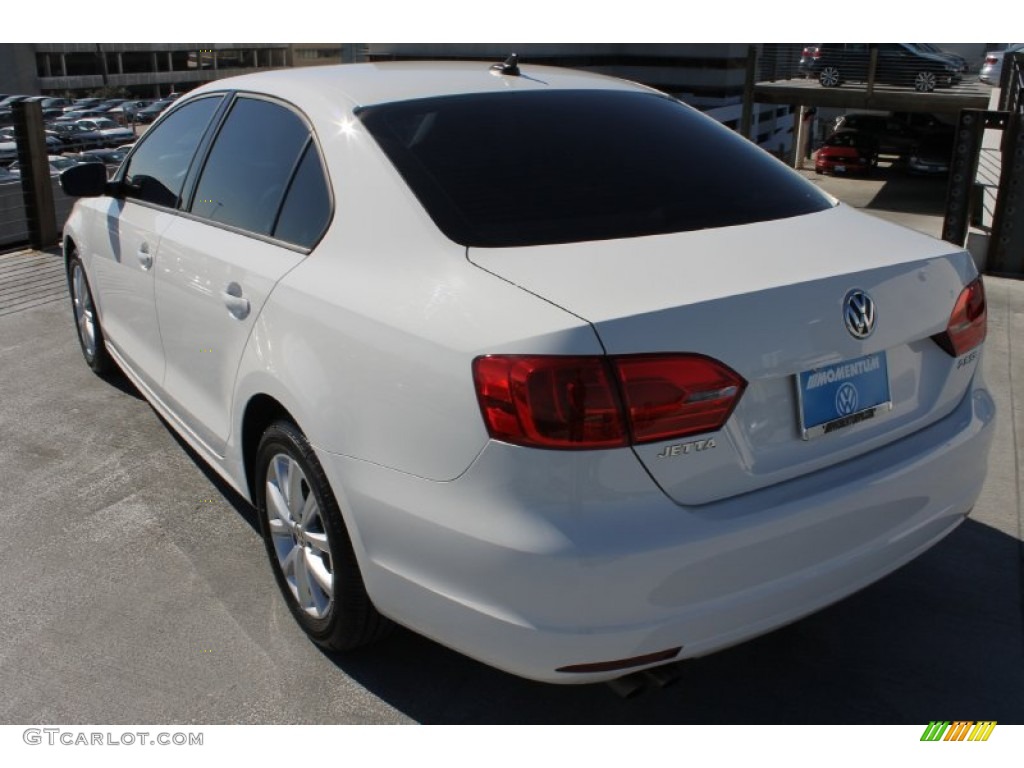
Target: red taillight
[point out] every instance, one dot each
(968, 323)
(550, 402)
(602, 402)
(991, 59)
(671, 396)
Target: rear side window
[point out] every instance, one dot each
(307, 207)
(158, 167)
(514, 169)
(250, 165)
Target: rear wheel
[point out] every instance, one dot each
(829, 76)
(87, 322)
(925, 82)
(309, 547)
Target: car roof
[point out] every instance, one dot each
(380, 83)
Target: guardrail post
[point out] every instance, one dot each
(36, 183)
(966, 150)
(1006, 248)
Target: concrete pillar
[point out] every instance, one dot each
(748, 92)
(63, 65)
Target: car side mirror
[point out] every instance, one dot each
(85, 180)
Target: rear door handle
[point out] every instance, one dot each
(144, 256)
(236, 303)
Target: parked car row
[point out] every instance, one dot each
(919, 142)
(62, 138)
(920, 66)
(111, 159)
(62, 110)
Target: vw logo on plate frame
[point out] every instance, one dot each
(859, 314)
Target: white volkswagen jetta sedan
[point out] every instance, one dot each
(546, 366)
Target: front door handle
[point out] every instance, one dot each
(236, 303)
(144, 256)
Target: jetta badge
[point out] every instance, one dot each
(859, 313)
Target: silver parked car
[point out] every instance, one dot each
(992, 69)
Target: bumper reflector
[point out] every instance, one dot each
(635, 661)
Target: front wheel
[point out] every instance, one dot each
(309, 547)
(87, 322)
(924, 82)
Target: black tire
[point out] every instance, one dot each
(87, 320)
(349, 620)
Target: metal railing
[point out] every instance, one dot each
(1011, 82)
(1006, 245)
(14, 222)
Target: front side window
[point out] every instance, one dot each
(157, 170)
(250, 165)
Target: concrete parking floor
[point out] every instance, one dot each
(136, 589)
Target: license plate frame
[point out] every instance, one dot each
(838, 395)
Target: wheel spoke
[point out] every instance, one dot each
(318, 541)
(302, 579)
(78, 286)
(288, 562)
(279, 527)
(310, 510)
(294, 490)
(316, 568)
(277, 505)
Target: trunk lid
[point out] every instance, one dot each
(768, 300)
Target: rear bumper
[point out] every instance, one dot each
(927, 166)
(841, 166)
(536, 560)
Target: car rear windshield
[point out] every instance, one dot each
(516, 169)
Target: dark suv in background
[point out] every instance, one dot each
(898, 64)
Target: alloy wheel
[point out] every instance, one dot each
(85, 314)
(829, 76)
(924, 82)
(299, 536)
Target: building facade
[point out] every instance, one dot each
(709, 76)
(137, 69)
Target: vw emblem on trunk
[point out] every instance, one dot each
(859, 313)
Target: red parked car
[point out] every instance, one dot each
(847, 152)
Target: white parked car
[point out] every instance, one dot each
(992, 69)
(544, 365)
